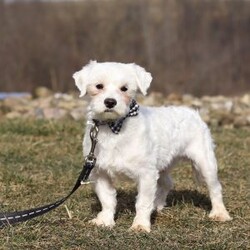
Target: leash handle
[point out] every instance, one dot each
(10, 218)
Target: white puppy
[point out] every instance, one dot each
(142, 145)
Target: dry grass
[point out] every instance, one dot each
(40, 160)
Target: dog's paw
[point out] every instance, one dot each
(141, 224)
(102, 223)
(220, 216)
(140, 228)
(160, 207)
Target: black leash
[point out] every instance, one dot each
(10, 218)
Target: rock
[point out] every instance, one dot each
(173, 97)
(215, 110)
(13, 115)
(245, 99)
(54, 113)
(68, 105)
(228, 105)
(238, 109)
(240, 121)
(222, 105)
(204, 113)
(187, 98)
(29, 114)
(196, 103)
(214, 122)
(248, 119)
(44, 102)
(225, 119)
(38, 113)
(15, 107)
(42, 92)
(154, 99)
(78, 113)
(64, 97)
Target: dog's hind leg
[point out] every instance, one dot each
(164, 185)
(107, 196)
(202, 154)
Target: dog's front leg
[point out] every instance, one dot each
(107, 196)
(147, 187)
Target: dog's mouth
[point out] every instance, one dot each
(108, 114)
(108, 111)
(105, 113)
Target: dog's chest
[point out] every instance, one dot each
(118, 154)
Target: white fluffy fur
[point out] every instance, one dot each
(146, 146)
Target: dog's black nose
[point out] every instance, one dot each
(110, 102)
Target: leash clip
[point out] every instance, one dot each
(93, 136)
(90, 159)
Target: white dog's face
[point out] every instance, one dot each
(111, 87)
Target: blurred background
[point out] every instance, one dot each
(201, 47)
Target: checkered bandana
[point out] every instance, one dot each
(116, 126)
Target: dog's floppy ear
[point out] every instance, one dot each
(143, 78)
(81, 78)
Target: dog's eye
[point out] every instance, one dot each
(124, 88)
(99, 86)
